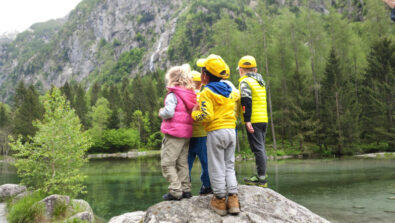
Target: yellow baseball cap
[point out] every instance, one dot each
(247, 62)
(195, 76)
(215, 65)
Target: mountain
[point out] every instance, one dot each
(106, 40)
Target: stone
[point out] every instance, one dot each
(133, 217)
(85, 216)
(20, 196)
(3, 215)
(51, 201)
(10, 190)
(82, 205)
(257, 205)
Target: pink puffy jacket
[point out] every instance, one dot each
(181, 123)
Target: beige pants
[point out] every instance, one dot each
(174, 162)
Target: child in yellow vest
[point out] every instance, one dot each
(254, 115)
(197, 145)
(216, 110)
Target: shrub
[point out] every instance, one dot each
(26, 209)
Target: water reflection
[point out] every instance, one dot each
(339, 190)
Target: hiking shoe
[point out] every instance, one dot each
(169, 197)
(256, 181)
(218, 205)
(186, 194)
(233, 204)
(205, 191)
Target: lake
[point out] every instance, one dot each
(341, 190)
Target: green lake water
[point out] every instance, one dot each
(346, 190)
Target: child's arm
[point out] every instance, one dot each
(170, 106)
(203, 112)
(246, 104)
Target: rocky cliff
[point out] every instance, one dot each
(98, 34)
(73, 49)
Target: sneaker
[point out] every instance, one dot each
(233, 204)
(218, 205)
(205, 191)
(169, 197)
(256, 181)
(186, 194)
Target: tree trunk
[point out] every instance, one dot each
(339, 124)
(269, 94)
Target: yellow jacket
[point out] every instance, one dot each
(198, 128)
(217, 107)
(258, 96)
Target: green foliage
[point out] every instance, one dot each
(377, 94)
(52, 160)
(26, 209)
(114, 140)
(28, 109)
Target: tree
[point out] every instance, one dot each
(339, 111)
(68, 93)
(80, 105)
(95, 93)
(139, 98)
(100, 114)
(51, 162)
(377, 94)
(28, 110)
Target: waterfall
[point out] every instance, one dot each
(151, 62)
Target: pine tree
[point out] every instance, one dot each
(127, 107)
(68, 93)
(95, 93)
(339, 111)
(20, 94)
(29, 110)
(3, 117)
(139, 97)
(80, 105)
(377, 94)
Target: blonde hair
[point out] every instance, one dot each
(179, 76)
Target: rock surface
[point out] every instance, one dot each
(3, 218)
(128, 217)
(85, 216)
(52, 201)
(10, 190)
(257, 205)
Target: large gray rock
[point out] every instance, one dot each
(133, 217)
(10, 190)
(52, 201)
(84, 216)
(257, 205)
(3, 218)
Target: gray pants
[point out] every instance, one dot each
(257, 144)
(221, 146)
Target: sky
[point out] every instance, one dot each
(19, 15)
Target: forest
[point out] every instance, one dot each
(330, 75)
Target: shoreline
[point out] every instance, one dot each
(238, 157)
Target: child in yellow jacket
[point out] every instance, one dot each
(216, 110)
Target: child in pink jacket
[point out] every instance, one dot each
(177, 127)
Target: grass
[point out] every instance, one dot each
(26, 209)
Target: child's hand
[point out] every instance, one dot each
(160, 110)
(196, 107)
(250, 129)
